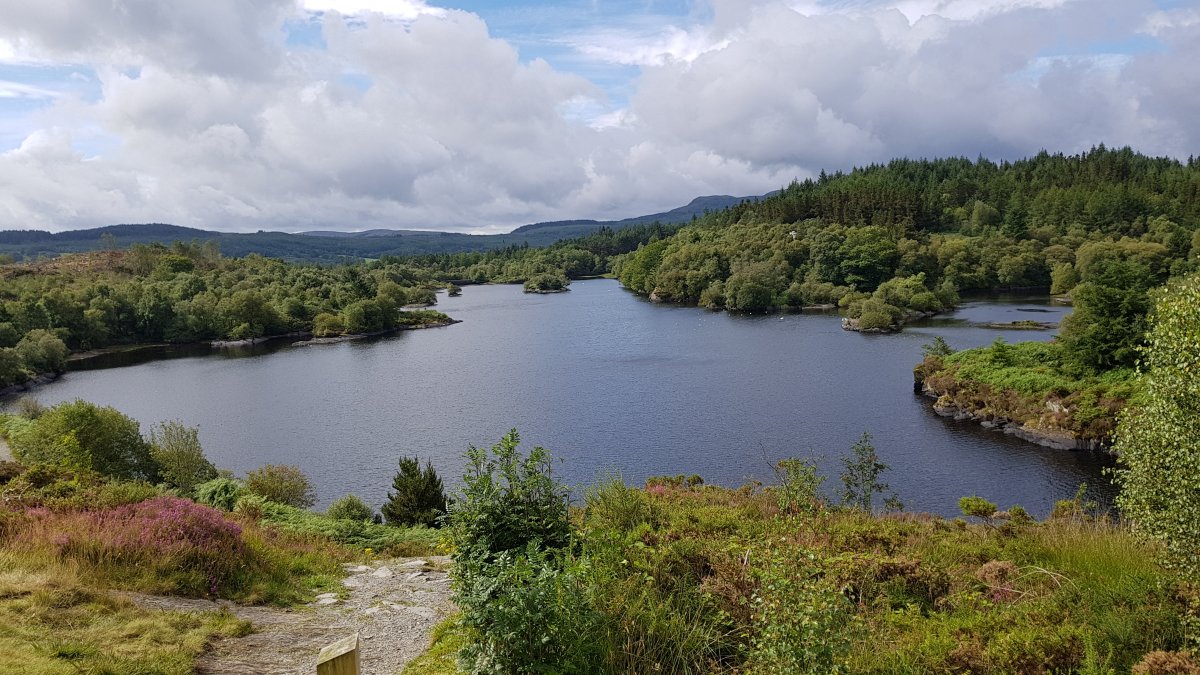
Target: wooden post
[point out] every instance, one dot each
(340, 658)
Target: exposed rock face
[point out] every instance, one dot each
(1060, 439)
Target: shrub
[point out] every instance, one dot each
(418, 497)
(282, 484)
(801, 618)
(977, 507)
(508, 501)
(527, 614)
(82, 435)
(350, 507)
(874, 320)
(799, 489)
(860, 479)
(220, 493)
(43, 352)
(192, 545)
(182, 464)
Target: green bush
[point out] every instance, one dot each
(978, 507)
(350, 507)
(281, 484)
(176, 448)
(418, 497)
(508, 501)
(802, 619)
(43, 352)
(526, 612)
(220, 493)
(82, 435)
(873, 320)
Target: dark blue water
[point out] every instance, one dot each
(606, 381)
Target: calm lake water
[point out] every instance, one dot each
(606, 381)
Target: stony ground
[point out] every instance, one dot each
(393, 605)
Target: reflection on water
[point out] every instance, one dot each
(605, 380)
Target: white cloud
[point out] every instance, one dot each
(20, 90)
(401, 9)
(205, 117)
(635, 48)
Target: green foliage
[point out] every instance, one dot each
(180, 458)
(1109, 319)
(82, 435)
(543, 283)
(527, 613)
(350, 507)
(860, 475)
(799, 489)
(977, 507)
(42, 352)
(509, 500)
(803, 622)
(938, 348)
(281, 484)
(417, 497)
(1158, 437)
(220, 493)
(522, 604)
(358, 534)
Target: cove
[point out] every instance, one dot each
(608, 382)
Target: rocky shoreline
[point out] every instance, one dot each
(43, 378)
(1059, 439)
(363, 336)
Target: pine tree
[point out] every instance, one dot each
(419, 497)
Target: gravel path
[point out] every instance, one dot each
(5, 453)
(393, 605)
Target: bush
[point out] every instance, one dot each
(43, 352)
(546, 282)
(282, 484)
(527, 614)
(418, 498)
(220, 493)
(977, 507)
(873, 320)
(82, 435)
(165, 537)
(350, 507)
(508, 501)
(182, 464)
(801, 619)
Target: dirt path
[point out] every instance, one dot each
(5, 453)
(393, 605)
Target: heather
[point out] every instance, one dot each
(681, 577)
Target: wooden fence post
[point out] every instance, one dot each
(340, 658)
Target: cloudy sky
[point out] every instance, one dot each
(480, 115)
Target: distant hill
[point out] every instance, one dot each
(329, 246)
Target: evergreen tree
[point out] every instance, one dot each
(418, 496)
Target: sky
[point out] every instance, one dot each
(480, 116)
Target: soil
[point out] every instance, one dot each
(393, 605)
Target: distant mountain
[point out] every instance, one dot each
(329, 246)
(697, 207)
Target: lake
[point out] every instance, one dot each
(608, 382)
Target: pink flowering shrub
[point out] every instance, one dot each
(187, 547)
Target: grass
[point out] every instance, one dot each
(359, 535)
(1028, 382)
(704, 579)
(441, 658)
(56, 623)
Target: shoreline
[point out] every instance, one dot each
(314, 341)
(1047, 438)
(92, 354)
